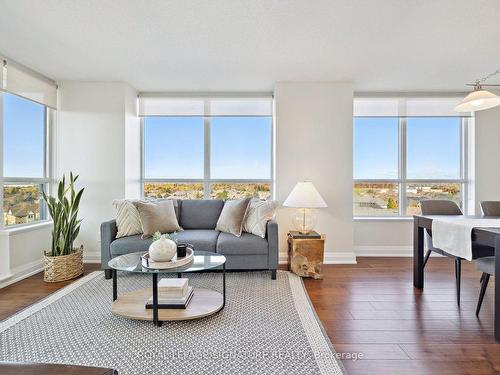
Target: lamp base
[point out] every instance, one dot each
(304, 220)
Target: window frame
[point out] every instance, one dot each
(402, 181)
(42, 182)
(207, 180)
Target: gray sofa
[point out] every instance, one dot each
(198, 218)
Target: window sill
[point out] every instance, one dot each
(382, 218)
(22, 228)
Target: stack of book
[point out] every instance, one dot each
(310, 235)
(172, 294)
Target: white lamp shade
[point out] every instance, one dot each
(477, 101)
(304, 195)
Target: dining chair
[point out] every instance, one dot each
(490, 208)
(487, 266)
(442, 207)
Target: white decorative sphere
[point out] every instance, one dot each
(162, 250)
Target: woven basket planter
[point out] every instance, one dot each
(64, 267)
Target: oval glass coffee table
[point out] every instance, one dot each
(204, 302)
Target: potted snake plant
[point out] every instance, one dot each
(64, 262)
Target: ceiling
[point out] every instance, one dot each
(248, 45)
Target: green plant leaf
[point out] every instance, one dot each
(63, 209)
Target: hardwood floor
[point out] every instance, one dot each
(372, 308)
(20, 295)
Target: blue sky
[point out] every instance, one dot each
(433, 148)
(241, 147)
(23, 137)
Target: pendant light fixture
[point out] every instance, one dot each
(479, 99)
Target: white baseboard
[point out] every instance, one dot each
(386, 251)
(383, 251)
(91, 257)
(22, 272)
(346, 257)
(29, 269)
(283, 258)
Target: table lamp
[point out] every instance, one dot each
(304, 196)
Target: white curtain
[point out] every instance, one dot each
(241, 107)
(158, 105)
(22, 81)
(408, 106)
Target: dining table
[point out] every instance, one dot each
(480, 236)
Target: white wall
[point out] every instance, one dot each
(487, 168)
(383, 237)
(132, 145)
(92, 141)
(314, 142)
(21, 252)
(29, 246)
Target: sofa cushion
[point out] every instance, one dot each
(200, 214)
(201, 239)
(229, 244)
(130, 244)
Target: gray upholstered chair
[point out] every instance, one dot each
(490, 208)
(487, 266)
(442, 207)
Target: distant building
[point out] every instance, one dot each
(21, 215)
(370, 202)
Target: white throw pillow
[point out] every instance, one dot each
(258, 214)
(128, 220)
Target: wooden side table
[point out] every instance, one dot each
(305, 256)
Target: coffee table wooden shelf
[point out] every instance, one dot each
(203, 303)
(132, 305)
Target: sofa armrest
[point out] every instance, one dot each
(272, 241)
(108, 235)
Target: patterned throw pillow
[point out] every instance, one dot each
(128, 220)
(258, 214)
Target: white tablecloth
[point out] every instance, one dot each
(453, 235)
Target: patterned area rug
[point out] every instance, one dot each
(267, 327)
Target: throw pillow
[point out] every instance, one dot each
(157, 216)
(232, 216)
(258, 214)
(174, 201)
(128, 221)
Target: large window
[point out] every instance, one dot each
(24, 159)
(401, 160)
(207, 148)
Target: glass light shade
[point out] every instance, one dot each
(304, 220)
(477, 101)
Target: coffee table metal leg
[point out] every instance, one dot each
(223, 285)
(115, 287)
(155, 300)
